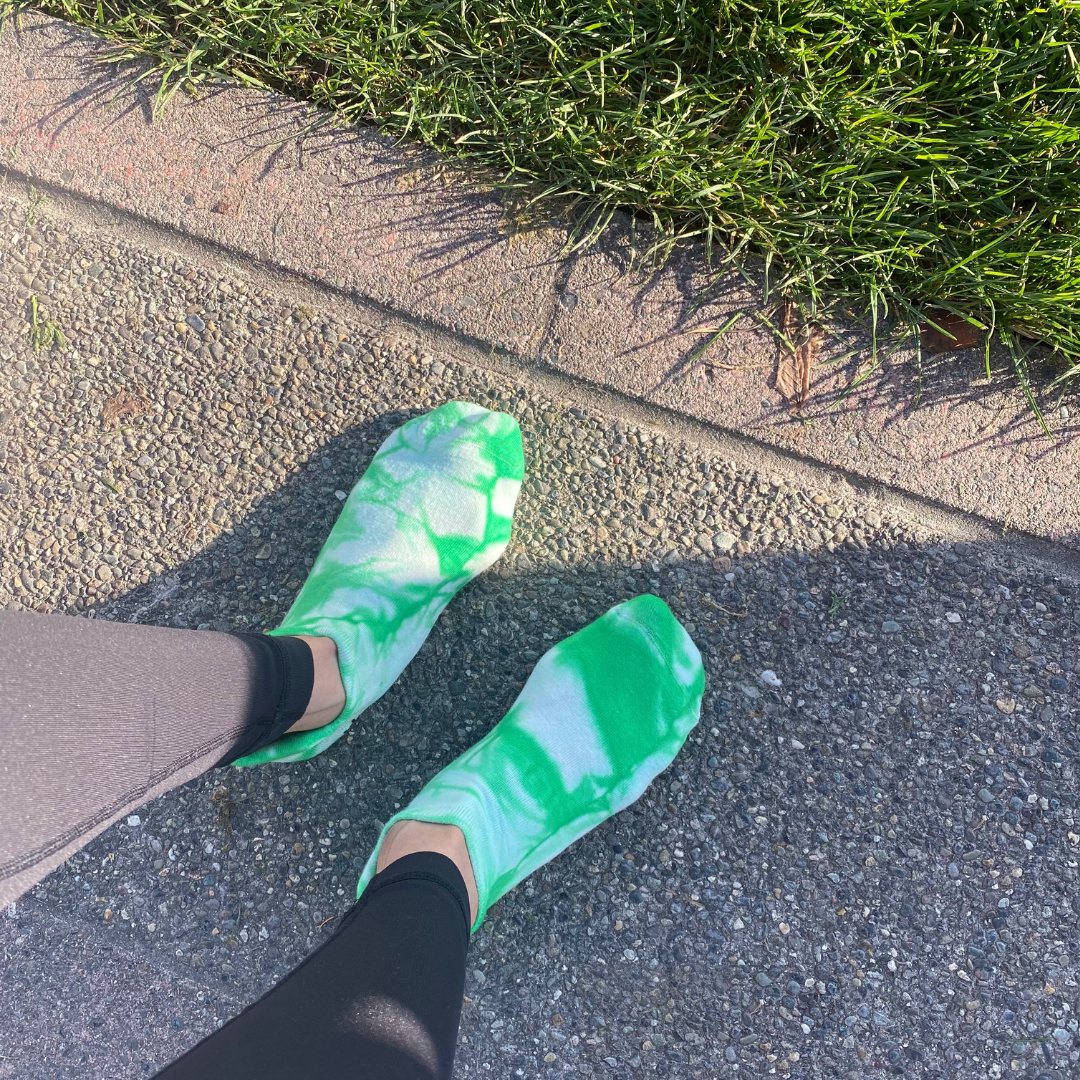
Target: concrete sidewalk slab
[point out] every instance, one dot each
(401, 232)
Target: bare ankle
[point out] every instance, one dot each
(327, 691)
(410, 837)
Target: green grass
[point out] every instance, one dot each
(881, 155)
(44, 333)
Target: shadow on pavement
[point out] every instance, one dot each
(871, 863)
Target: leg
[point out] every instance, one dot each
(98, 717)
(601, 715)
(381, 1000)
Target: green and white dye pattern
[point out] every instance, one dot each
(433, 510)
(601, 715)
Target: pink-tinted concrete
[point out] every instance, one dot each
(392, 226)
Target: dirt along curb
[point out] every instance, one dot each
(396, 229)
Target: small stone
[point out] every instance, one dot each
(953, 617)
(724, 542)
(134, 821)
(954, 871)
(762, 979)
(104, 573)
(986, 795)
(263, 553)
(1005, 705)
(890, 627)
(196, 323)
(796, 745)
(340, 495)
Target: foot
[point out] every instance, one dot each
(433, 510)
(601, 715)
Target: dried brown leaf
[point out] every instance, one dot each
(121, 404)
(795, 365)
(959, 333)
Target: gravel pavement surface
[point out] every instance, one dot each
(863, 864)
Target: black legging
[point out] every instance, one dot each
(97, 717)
(380, 1000)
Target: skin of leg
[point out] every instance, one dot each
(410, 837)
(327, 691)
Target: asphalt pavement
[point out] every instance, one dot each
(863, 863)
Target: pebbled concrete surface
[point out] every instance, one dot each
(867, 870)
(408, 234)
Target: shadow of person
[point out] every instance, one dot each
(901, 787)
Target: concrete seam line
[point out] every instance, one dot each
(950, 523)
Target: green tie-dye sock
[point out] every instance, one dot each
(602, 714)
(433, 510)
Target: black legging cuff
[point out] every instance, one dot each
(426, 866)
(285, 675)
